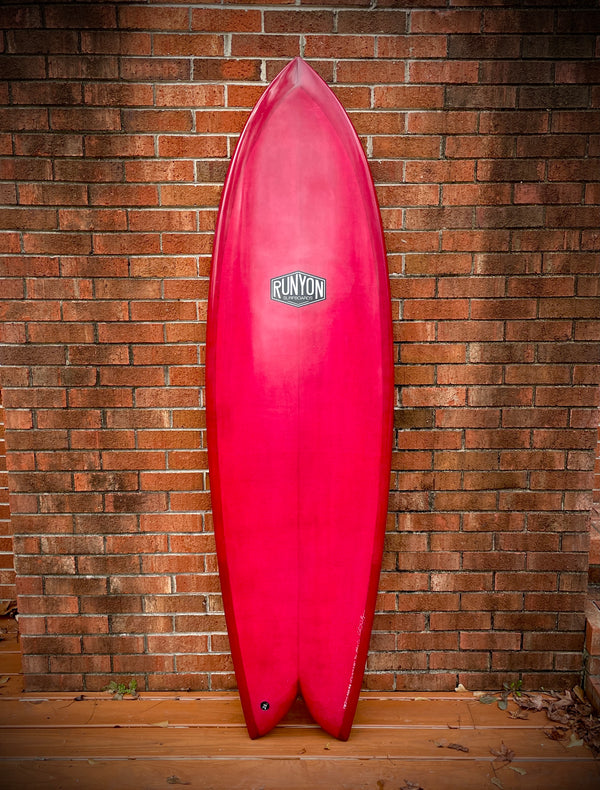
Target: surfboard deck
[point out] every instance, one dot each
(299, 404)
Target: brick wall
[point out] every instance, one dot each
(482, 127)
(7, 573)
(597, 473)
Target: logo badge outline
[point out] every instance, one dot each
(298, 288)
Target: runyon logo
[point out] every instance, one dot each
(298, 289)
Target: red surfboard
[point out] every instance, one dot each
(299, 404)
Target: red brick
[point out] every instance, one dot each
(223, 20)
(320, 46)
(443, 72)
(447, 122)
(156, 69)
(186, 44)
(135, 17)
(406, 97)
(373, 21)
(411, 47)
(189, 95)
(105, 41)
(522, 660)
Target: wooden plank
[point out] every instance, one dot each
(169, 741)
(294, 774)
(12, 687)
(11, 663)
(8, 644)
(220, 712)
(395, 696)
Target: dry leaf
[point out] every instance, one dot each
(531, 702)
(518, 714)
(518, 770)
(487, 699)
(458, 747)
(574, 741)
(497, 782)
(4, 680)
(560, 716)
(557, 734)
(8, 609)
(460, 688)
(161, 724)
(175, 780)
(503, 754)
(564, 701)
(443, 743)
(410, 786)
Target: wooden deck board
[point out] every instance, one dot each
(166, 740)
(375, 713)
(296, 774)
(67, 740)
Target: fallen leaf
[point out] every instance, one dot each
(497, 782)
(531, 702)
(557, 734)
(503, 754)
(518, 770)
(563, 701)
(410, 786)
(327, 746)
(460, 688)
(9, 609)
(518, 714)
(487, 699)
(502, 704)
(458, 747)
(175, 780)
(574, 741)
(161, 724)
(4, 680)
(578, 691)
(441, 743)
(560, 716)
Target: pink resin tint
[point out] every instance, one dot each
(299, 404)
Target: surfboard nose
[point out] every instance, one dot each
(298, 71)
